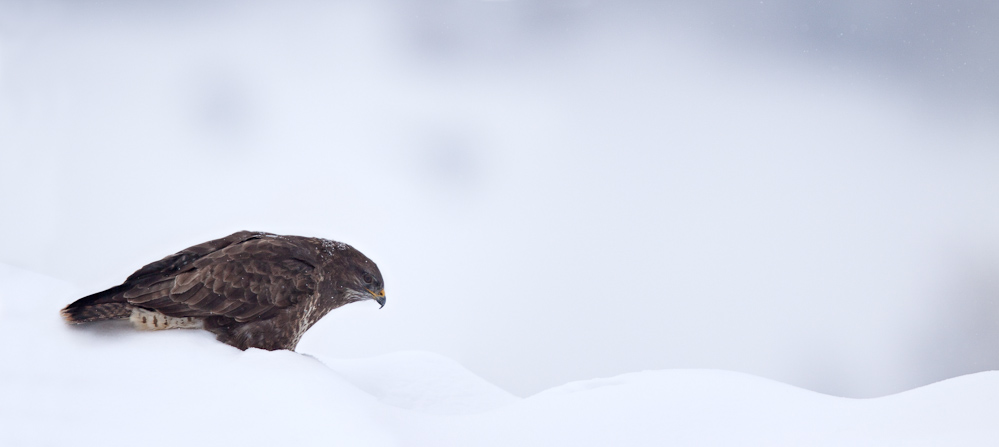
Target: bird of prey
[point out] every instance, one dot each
(251, 289)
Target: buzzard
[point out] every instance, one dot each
(251, 289)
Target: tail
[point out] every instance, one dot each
(97, 307)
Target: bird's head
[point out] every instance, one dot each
(356, 276)
(365, 282)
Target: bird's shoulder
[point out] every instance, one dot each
(264, 266)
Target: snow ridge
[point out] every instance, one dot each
(108, 384)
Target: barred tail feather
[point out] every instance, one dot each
(96, 312)
(97, 307)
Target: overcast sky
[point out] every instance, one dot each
(554, 191)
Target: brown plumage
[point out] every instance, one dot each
(251, 289)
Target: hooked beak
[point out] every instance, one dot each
(378, 297)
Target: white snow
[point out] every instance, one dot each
(109, 385)
(584, 188)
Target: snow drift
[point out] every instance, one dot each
(106, 384)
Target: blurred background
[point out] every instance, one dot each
(554, 190)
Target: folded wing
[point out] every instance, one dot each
(250, 277)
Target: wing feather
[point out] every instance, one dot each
(227, 308)
(151, 299)
(183, 260)
(248, 277)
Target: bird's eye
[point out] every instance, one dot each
(367, 278)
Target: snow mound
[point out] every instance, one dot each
(424, 382)
(109, 385)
